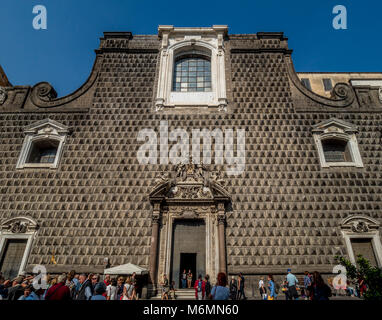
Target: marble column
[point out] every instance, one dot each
(221, 235)
(154, 244)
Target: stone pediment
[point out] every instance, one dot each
(47, 126)
(334, 126)
(190, 182)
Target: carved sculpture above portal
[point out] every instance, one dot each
(190, 181)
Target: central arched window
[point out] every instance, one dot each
(192, 73)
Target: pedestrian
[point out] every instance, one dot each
(199, 288)
(72, 283)
(362, 285)
(128, 289)
(107, 280)
(240, 287)
(189, 279)
(272, 288)
(292, 282)
(95, 279)
(220, 290)
(59, 291)
(99, 290)
(85, 291)
(120, 287)
(172, 290)
(4, 284)
(184, 279)
(284, 289)
(307, 285)
(165, 288)
(233, 288)
(207, 287)
(111, 290)
(17, 289)
(262, 289)
(321, 291)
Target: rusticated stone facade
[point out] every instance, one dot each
(284, 210)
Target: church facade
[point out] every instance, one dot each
(114, 173)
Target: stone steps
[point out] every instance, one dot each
(181, 294)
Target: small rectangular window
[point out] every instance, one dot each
(306, 83)
(12, 257)
(364, 247)
(328, 86)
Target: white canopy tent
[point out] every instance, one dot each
(128, 268)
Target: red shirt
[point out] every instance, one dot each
(106, 283)
(58, 292)
(203, 288)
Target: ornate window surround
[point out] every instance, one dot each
(337, 129)
(18, 228)
(177, 41)
(46, 129)
(359, 226)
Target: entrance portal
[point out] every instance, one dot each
(188, 262)
(188, 249)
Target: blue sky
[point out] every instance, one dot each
(64, 53)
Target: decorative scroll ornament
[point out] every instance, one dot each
(3, 95)
(380, 94)
(44, 91)
(359, 227)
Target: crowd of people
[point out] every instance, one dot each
(70, 286)
(203, 288)
(312, 288)
(74, 286)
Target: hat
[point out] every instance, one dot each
(289, 270)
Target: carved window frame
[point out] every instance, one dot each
(362, 227)
(181, 41)
(42, 130)
(335, 129)
(7, 232)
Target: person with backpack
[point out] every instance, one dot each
(207, 287)
(200, 288)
